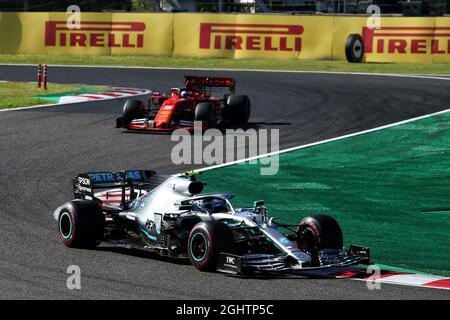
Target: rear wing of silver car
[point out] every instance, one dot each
(86, 184)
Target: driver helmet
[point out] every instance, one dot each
(174, 92)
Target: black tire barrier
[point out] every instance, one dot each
(354, 48)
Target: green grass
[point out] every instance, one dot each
(178, 62)
(388, 189)
(23, 94)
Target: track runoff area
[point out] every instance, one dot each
(387, 187)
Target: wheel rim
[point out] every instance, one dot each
(65, 225)
(308, 240)
(357, 49)
(199, 247)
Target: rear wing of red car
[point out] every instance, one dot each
(201, 83)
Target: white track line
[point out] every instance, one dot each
(417, 76)
(323, 141)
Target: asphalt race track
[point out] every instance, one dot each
(42, 149)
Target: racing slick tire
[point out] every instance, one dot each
(206, 240)
(354, 48)
(318, 232)
(132, 109)
(204, 112)
(81, 224)
(238, 109)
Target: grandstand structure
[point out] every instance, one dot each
(406, 7)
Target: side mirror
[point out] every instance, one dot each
(258, 203)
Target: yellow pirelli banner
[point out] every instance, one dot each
(396, 39)
(238, 36)
(96, 34)
(245, 36)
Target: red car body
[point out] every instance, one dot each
(181, 107)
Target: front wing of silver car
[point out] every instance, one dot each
(251, 264)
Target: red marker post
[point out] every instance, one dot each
(39, 75)
(45, 77)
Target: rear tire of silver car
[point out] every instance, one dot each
(206, 241)
(238, 109)
(318, 232)
(132, 109)
(81, 224)
(204, 112)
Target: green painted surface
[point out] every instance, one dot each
(389, 190)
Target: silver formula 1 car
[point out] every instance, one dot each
(171, 216)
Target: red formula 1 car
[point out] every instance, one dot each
(192, 102)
